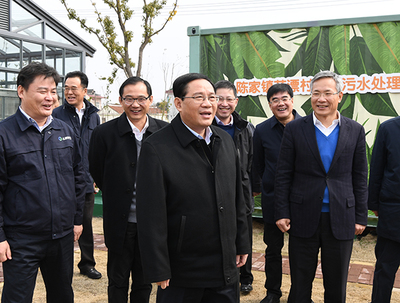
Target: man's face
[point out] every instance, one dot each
(37, 101)
(197, 115)
(325, 98)
(226, 104)
(74, 91)
(136, 112)
(281, 105)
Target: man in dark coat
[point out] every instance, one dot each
(113, 155)
(241, 132)
(384, 201)
(267, 143)
(82, 116)
(191, 215)
(321, 191)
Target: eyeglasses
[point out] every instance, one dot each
(73, 89)
(201, 99)
(318, 95)
(283, 99)
(139, 100)
(227, 99)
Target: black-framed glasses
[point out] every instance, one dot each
(201, 98)
(227, 99)
(139, 100)
(318, 95)
(283, 99)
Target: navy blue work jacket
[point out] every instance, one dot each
(267, 144)
(83, 132)
(41, 181)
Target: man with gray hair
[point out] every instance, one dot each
(321, 191)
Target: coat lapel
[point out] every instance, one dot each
(309, 134)
(344, 132)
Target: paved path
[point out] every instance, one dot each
(358, 272)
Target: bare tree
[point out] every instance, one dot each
(107, 35)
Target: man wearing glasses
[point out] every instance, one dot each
(113, 158)
(191, 216)
(267, 142)
(241, 132)
(321, 191)
(82, 116)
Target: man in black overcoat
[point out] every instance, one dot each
(191, 217)
(384, 201)
(113, 155)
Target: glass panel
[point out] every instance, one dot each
(54, 36)
(20, 17)
(72, 61)
(2, 79)
(10, 106)
(33, 31)
(8, 80)
(9, 53)
(54, 57)
(31, 52)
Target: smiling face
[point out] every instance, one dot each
(198, 116)
(136, 112)
(281, 105)
(226, 105)
(37, 101)
(325, 108)
(74, 92)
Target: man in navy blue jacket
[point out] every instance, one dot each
(41, 192)
(82, 116)
(384, 201)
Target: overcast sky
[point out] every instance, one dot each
(171, 46)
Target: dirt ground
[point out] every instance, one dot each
(95, 291)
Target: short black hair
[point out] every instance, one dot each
(279, 88)
(28, 74)
(226, 84)
(180, 84)
(80, 75)
(135, 80)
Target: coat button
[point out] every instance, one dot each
(133, 164)
(221, 209)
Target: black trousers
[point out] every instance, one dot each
(387, 254)
(121, 265)
(53, 257)
(274, 239)
(335, 259)
(224, 294)
(246, 277)
(86, 239)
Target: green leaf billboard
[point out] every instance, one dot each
(365, 52)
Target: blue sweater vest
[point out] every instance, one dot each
(228, 128)
(327, 147)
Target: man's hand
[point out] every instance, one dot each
(359, 229)
(376, 213)
(255, 194)
(5, 251)
(77, 232)
(241, 260)
(163, 284)
(283, 224)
